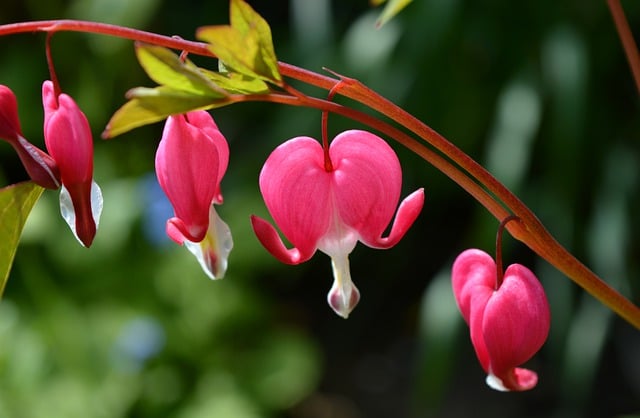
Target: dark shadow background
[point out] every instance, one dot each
(537, 91)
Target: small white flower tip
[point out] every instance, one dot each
(343, 297)
(213, 251)
(495, 383)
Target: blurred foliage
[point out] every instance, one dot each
(391, 9)
(539, 91)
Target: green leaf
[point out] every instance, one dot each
(248, 22)
(16, 202)
(166, 68)
(392, 8)
(236, 83)
(238, 52)
(246, 46)
(183, 87)
(150, 105)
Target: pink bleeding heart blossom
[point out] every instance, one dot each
(68, 138)
(191, 160)
(509, 322)
(330, 202)
(39, 165)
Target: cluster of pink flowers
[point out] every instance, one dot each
(322, 197)
(328, 200)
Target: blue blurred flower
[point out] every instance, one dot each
(140, 339)
(157, 209)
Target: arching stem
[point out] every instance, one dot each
(445, 156)
(626, 37)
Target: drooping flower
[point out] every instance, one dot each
(68, 139)
(331, 205)
(191, 160)
(508, 322)
(39, 165)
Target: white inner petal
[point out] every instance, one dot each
(338, 242)
(96, 203)
(495, 382)
(69, 214)
(66, 209)
(344, 295)
(213, 251)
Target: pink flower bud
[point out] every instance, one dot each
(9, 122)
(40, 166)
(508, 323)
(191, 160)
(331, 211)
(68, 138)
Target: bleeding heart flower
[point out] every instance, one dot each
(39, 165)
(508, 322)
(68, 138)
(330, 202)
(191, 160)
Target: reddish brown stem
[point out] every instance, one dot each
(328, 165)
(626, 37)
(68, 25)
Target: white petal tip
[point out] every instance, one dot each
(344, 295)
(343, 299)
(68, 211)
(495, 383)
(213, 251)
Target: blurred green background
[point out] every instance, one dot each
(538, 91)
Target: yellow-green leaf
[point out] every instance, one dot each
(236, 83)
(16, 202)
(150, 105)
(166, 68)
(246, 20)
(392, 8)
(246, 46)
(238, 52)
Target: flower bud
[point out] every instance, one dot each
(68, 138)
(40, 166)
(508, 322)
(191, 160)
